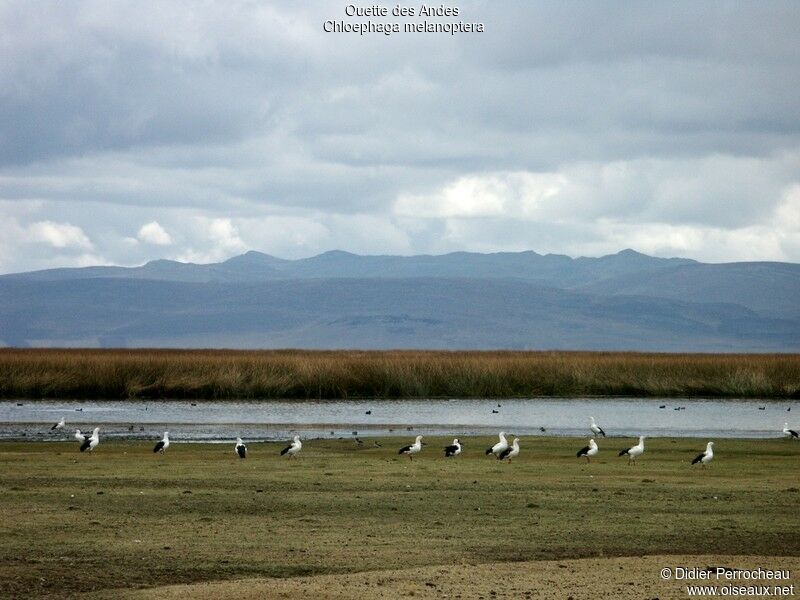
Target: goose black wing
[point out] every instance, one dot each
(450, 450)
(583, 451)
(158, 446)
(603, 433)
(285, 450)
(623, 452)
(85, 444)
(504, 453)
(241, 450)
(404, 449)
(54, 427)
(698, 458)
(793, 433)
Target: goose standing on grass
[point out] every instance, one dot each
(705, 457)
(499, 447)
(454, 449)
(413, 448)
(589, 450)
(58, 426)
(163, 444)
(240, 448)
(790, 433)
(92, 441)
(293, 448)
(511, 452)
(81, 437)
(596, 429)
(634, 451)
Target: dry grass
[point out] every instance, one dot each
(124, 518)
(221, 374)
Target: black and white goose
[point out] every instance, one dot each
(454, 449)
(499, 447)
(91, 442)
(790, 433)
(596, 429)
(412, 449)
(588, 451)
(705, 457)
(163, 444)
(59, 425)
(511, 452)
(634, 451)
(293, 448)
(240, 448)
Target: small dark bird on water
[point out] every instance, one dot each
(542, 429)
(495, 412)
(663, 406)
(369, 412)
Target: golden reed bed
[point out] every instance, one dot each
(301, 374)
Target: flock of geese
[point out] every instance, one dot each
(502, 450)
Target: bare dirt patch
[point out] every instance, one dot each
(633, 578)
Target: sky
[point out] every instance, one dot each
(198, 130)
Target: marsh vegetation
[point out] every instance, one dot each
(301, 374)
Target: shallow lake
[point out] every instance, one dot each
(275, 420)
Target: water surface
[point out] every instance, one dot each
(279, 420)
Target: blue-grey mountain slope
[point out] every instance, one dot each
(463, 300)
(372, 313)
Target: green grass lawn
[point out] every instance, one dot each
(123, 517)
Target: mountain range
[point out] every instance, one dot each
(524, 300)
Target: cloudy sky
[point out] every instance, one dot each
(198, 130)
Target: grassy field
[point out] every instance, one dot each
(216, 374)
(73, 523)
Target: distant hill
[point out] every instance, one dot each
(549, 269)
(625, 301)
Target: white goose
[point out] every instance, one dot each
(499, 447)
(240, 448)
(293, 448)
(596, 429)
(91, 442)
(454, 449)
(634, 451)
(589, 450)
(705, 457)
(163, 444)
(511, 452)
(413, 449)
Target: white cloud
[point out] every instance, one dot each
(59, 235)
(674, 130)
(219, 238)
(153, 233)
